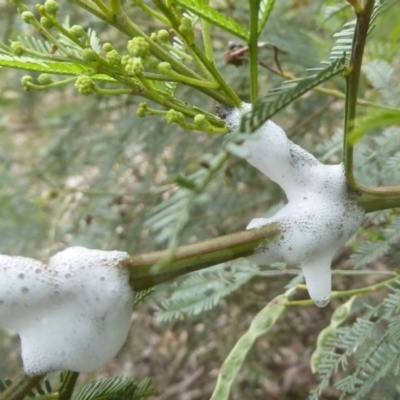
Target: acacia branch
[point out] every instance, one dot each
(352, 84)
(21, 387)
(150, 269)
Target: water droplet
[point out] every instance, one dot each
(322, 302)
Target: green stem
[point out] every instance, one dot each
(105, 10)
(253, 49)
(67, 33)
(67, 385)
(51, 85)
(208, 65)
(347, 293)
(375, 199)
(190, 81)
(113, 92)
(88, 5)
(352, 84)
(206, 34)
(21, 387)
(144, 271)
(150, 12)
(360, 102)
(116, 7)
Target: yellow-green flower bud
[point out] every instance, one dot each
(45, 79)
(107, 47)
(113, 58)
(89, 56)
(21, 7)
(51, 7)
(138, 47)
(174, 116)
(17, 48)
(26, 79)
(46, 22)
(163, 35)
(164, 67)
(77, 31)
(153, 36)
(125, 60)
(134, 67)
(200, 120)
(40, 8)
(27, 17)
(85, 85)
(151, 63)
(186, 26)
(142, 110)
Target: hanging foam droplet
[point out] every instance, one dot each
(322, 302)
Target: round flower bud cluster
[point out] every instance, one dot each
(45, 79)
(85, 85)
(77, 31)
(46, 22)
(51, 6)
(138, 47)
(133, 66)
(175, 117)
(17, 48)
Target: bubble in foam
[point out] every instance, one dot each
(69, 320)
(317, 203)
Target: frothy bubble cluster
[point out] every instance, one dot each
(318, 217)
(73, 313)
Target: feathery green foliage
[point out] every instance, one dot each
(203, 290)
(286, 94)
(199, 8)
(117, 388)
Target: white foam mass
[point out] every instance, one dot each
(318, 217)
(73, 313)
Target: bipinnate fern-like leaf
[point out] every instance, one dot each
(117, 388)
(373, 250)
(344, 42)
(381, 358)
(47, 66)
(374, 340)
(279, 98)
(40, 46)
(381, 76)
(203, 290)
(199, 8)
(169, 218)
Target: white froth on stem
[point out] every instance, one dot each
(73, 313)
(318, 218)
